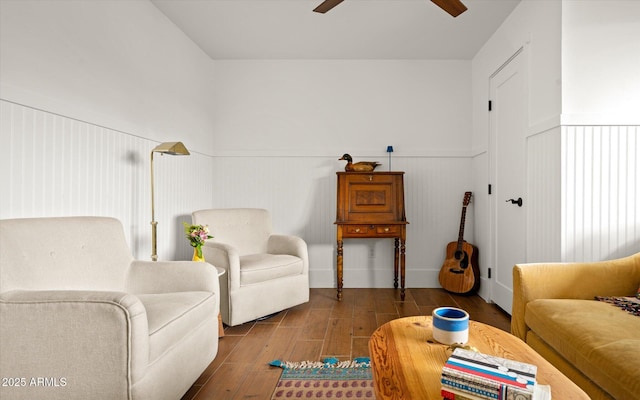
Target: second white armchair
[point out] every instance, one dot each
(265, 273)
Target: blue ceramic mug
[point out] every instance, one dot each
(450, 325)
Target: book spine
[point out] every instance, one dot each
(476, 380)
(468, 388)
(511, 393)
(489, 375)
(492, 389)
(451, 394)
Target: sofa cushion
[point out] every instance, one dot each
(256, 268)
(172, 316)
(599, 339)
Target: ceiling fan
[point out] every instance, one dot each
(453, 7)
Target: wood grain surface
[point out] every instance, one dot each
(407, 362)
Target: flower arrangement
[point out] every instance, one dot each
(197, 235)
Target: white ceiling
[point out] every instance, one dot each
(355, 29)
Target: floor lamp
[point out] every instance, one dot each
(174, 149)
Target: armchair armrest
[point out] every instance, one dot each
(619, 277)
(89, 338)
(224, 256)
(146, 277)
(289, 244)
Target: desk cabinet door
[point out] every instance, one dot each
(370, 197)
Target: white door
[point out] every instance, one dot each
(507, 128)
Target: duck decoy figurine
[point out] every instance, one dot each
(361, 166)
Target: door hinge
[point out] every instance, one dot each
(489, 273)
(489, 188)
(490, 105)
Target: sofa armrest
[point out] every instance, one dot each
(88, 341)
(619, 277)
(149, 277)
(289, 244)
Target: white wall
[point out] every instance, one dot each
(87, 90)
(601, 126)
(282, 125)
(342, 106)
(118, 64)
(600, 62)
(535, 27)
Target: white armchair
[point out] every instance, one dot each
(80, 319)
(266, 273)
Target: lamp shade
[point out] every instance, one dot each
(173, 148)
(389, 149)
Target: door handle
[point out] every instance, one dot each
(518, 202)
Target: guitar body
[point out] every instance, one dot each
(460, 272)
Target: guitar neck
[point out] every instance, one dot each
(461, 231)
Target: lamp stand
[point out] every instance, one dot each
(154, 223)
(174, 149)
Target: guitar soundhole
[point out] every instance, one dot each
(463, 257)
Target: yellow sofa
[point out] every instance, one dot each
(595, 344)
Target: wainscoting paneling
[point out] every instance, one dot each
(601, 177)
(543, 196)
(301, 194)
(58, 166)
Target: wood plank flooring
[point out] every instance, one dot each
(321, 328)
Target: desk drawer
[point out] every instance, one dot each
(387, 229)
(359, 229)
(372, 230)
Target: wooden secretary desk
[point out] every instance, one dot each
(371, 205)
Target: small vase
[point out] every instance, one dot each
(195, 255)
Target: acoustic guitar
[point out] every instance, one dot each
(460, 273)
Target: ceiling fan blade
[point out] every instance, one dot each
(327, 5)
(453, 7)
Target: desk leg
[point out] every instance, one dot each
(339, 269)
(402, 270)
(395, 263)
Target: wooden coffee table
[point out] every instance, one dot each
(407, 362)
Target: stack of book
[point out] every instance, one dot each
(469, 375)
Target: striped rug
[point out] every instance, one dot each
(328, 379)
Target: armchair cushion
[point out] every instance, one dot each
(47, 254)
(257, 268)
(171, 276)
(247, 229)
(171, 316)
